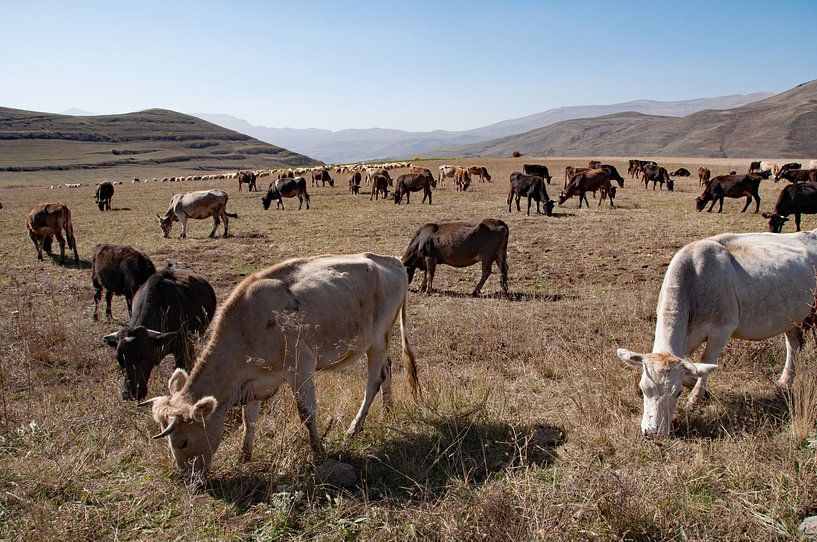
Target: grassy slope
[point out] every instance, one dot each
(501, 379)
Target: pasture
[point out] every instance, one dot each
(529, 429)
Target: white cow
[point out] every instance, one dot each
(200, 204)
(283, 324)
(749, 286)
(446, 170)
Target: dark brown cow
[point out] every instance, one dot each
(681, 172)
(797, 175)
(703, 175)
(593, 164)
(249, 178)
(286, 188)
(354, 182)
(636, 167)
(572, 171)
(288, 174)
(730, 186)
(537, 169)
(50, 219)
(413, 182)
(481, 172)
(796, 199)
(589, 181)
(459, 244)
(531, 187)
(380, 185)
(104, 193)
(120, 270)
(370, 174)
(462, 179)
(323, 177)
(658, 175)
(754, 166)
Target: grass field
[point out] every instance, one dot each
(530, 425)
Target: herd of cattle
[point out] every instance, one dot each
(336, 309)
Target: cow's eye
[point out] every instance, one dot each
(183, 444)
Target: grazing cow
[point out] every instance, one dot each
(797, 175)
(572, 171)
(754, 166)
(658, 175)
(286, 188)
(481, 172)
(446, 171)
(199, 205)
(371, 173)
(703, 175)
(417, 170)
(733, 172)
(750, 286)
(249, 178)
(323, 176)
(531, 187)
(537, 169)
(593, 164)
(354, 182)
(636, 167)
(794, 199)
(681, 172)
(120, 270)
(283, 324)
(380, 185)
(788, 166)
(730, 186)
(104, 193)
(172, 306)
(45, 220)
(411, 182)
(462, 179)
(286, 174)
(459, 244)
(590, 181)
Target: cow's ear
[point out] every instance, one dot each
(162, 339)
(177, 380)
(698, 369)
(111, 339)
(204, 407)
(632, 359)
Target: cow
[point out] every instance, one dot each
(681, 172)
(446, 170)
(286, 174)
(171, 307)
(481, 172)
(754, 166)
(770, 166)
(658, 175)
(104, 193)
(380, 185)
(459, 244)
(532, 187)
(47, 220)
(411, 182)
(794, 199)
(371, 173)
(198, 205)
(572, 171)
(354, 182)
(417, 170)
(323, 176)
(537, 169)
(249, 178)
(590, 181)
(120, 270)
(636, 167)
(285, 323)
(286, 188)
(750, 286)
(730, 186)
(797, 175)
(704, 175)
(593, 164)
(788, 166)
(462, 179)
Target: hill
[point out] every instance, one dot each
(780, 126)
(375, 143)
(32, 141)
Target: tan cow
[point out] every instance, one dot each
(199, 205)
(703, 175)
(462, 179)
(283, 324)
(481, 172)
(50, 219)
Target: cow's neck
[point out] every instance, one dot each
(672, 322)
(216, 373)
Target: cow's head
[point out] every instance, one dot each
(101, 204)
(194, 432)
(701, 201)
(138, 350)
(266, 200)
(563, 197)
(398, 194)
(776, 222)
(671, 185)
(166, 223)
(662, 380)
(549, 205)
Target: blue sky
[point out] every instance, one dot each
(414, 65)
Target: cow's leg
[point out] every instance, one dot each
(796, 223)
(61, 241)
(714, 201)
(129, 303)
(306, 197)
(720, 208)
(610, 195)
(300, 375)
(385, 386)
(226, 221)
(376, 362)
(529, 200)
(748, 203)
(715, 342)
(424, 284)
(183, 222)
(249, 414)
(794, 340)
(97, 299)
(36, 242)
(757, 203)
(486, 272)
(279, 204)
(431, 266)
(108, 299)
(518, 197)
(216, 222)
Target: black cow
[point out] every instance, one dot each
(794, 199)
(168, 309)
(322, 176)
(249, 178)
(681, 172)
(536, 169)
(797, 175)
(730, 186)
(286, 188)
(658, 175)
(531, 187)
(121, 270)
(104, 193)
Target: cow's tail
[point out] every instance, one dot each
(231, 215)
(503, 251)
(407, 354)
(69, 232)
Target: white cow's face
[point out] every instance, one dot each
(662, 380)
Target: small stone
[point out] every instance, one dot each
(335, 473)
(808, 528)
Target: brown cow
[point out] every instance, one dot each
(730, 186)
(248, 178)
(354, 182)
(50, 219)
(703, 175)
(104, 194)
(589, 181)
(658, 175)
(380, 185)
(462, 179)
(481, 172)
(412, 182)
(286, 174)
(322, 176)
(459, 244)
(120, 270)
(754, 166)
(797, 175)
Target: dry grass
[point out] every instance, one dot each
(530, 426)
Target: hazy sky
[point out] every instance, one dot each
(413, 65)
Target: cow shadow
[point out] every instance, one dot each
(562, 215)
(735, 413)
(119, 209)
(245, 490)
(69, 260)
(512, 296)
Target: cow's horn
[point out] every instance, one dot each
(174, 423)
(149, 401)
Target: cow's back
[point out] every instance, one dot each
(173, 298)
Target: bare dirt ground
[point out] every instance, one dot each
(530, 425)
